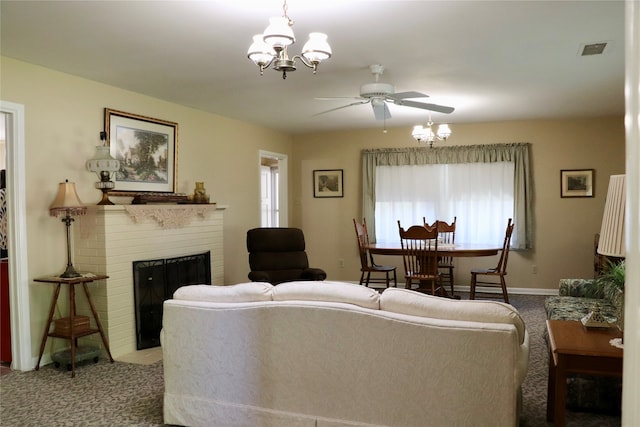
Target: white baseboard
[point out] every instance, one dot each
(460, 288)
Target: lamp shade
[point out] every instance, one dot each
(67, 201)
(611, 241)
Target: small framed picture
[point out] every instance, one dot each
(147, 150)
(328, 183)
(576, 182)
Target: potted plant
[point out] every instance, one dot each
(610, 285)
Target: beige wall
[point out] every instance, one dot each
(564, 228)
(63, 115)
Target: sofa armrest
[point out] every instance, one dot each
(574, 287)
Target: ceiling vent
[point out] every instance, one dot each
(593, 49)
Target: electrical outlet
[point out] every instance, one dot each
(534, 269)
(341, 262)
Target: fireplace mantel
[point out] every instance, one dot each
(169, 216)
(110, 238)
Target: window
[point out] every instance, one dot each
(459, 173)
(480, 195)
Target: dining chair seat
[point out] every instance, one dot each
(500, 271)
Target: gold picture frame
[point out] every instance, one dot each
(147, 149)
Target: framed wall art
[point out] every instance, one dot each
(328, 183)
(577, 182)
(147, 149)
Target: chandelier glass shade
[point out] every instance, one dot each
(270, 47)
(104, 166)
(425, 133)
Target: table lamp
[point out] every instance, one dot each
(104, 166)
(67, 203)
(612, 233)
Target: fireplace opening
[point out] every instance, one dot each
(155, 281)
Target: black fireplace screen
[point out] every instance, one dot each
(155, 281)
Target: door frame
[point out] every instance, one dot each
(19, 302)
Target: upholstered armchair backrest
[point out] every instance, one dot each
(278, 255)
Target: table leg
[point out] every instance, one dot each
(95, 316)
(48, 325)
(551, 388)
(560, 401)
(72, 315)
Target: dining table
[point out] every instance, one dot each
(452, 250)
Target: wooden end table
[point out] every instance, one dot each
(576, 349)
(72, 335)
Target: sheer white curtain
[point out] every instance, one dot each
(458, 191)
(480, 195)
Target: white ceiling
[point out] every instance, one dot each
(491, 60)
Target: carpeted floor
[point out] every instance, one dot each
(124, 394)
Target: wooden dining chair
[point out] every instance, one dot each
(446, 236)
(499, 271)
(367, 264)
(420, 257)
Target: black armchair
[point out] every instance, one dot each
(278, 255)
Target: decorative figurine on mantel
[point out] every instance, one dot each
(200, 194)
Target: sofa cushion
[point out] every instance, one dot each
(575, 308)
(414, 303)
(327, 291)
(241, 292)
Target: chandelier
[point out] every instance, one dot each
(425, 133)
(271, 47)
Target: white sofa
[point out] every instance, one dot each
(339, 354)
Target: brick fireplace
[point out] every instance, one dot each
(110, 238)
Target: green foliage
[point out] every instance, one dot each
(610, 284)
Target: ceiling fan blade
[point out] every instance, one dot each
(425, 106)
(344, 106)
(407, 95)
(336, 98)
(381, 111)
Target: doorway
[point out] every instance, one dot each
(273, 190)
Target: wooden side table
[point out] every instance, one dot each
(72, 335)
(573, 348)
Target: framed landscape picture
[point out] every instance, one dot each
(328, 183)
(576, 182)
(147, 151)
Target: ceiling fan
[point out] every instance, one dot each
(378, 94)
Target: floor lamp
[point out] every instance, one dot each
(67, 203)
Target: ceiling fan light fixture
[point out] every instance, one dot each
(271, 47)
